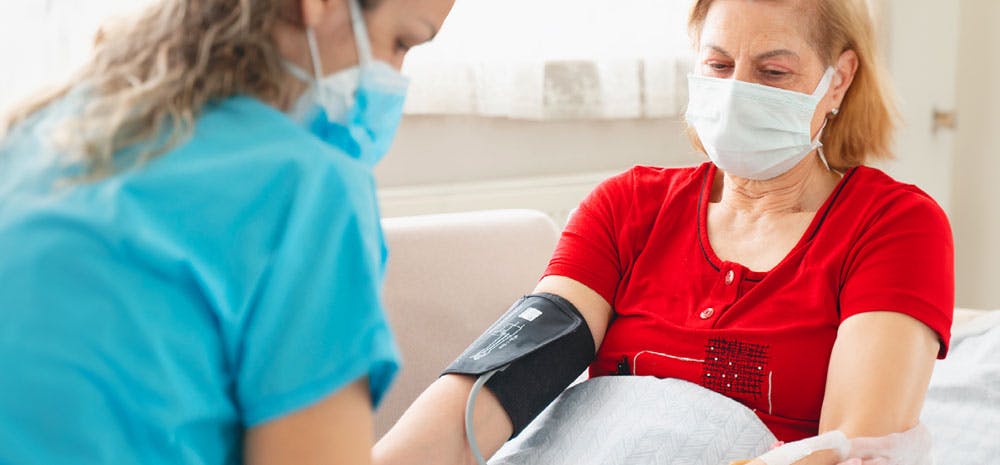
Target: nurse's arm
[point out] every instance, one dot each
(432, 431)
(337, 429)
(879, 371)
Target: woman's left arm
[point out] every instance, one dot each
(881, 363)
(879, 371)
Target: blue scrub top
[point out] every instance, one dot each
(151, 317)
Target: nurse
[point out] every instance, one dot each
(190, 242)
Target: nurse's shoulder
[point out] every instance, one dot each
(248, 188)
(246, 137)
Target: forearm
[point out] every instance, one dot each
(337, 429)
(432, 431)
(879, 370)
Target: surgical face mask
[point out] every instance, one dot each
(750, 130)
(357, 109)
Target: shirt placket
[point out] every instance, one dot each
(724, 293)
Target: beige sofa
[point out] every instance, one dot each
(450, 276)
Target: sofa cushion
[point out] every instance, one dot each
(449, 277)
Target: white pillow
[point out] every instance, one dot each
(639, 420)
(962, 409)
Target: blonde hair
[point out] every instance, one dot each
(864, 127)
(150, 76)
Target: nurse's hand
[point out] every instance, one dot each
(337, 429)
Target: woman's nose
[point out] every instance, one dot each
(743, 72)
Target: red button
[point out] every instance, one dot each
(729, 277)
(707, 313)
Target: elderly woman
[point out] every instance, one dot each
(785, 274)
(192, 256)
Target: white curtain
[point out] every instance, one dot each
(555, 59)
(531, 59)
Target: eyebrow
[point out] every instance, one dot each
(759, 57)
(777, 53)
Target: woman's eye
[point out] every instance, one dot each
(774, 73)
(717, 68)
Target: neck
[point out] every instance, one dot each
(804, 188)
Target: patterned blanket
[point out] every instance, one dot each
(632, 420)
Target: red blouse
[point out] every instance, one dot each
(761, 338)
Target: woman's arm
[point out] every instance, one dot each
(879, 371)
(338, 429)
(432, 430)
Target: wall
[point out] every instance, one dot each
(976, 190)
(448, 149)
(920, 40)
(453, 164)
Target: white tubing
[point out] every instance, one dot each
(470, 409)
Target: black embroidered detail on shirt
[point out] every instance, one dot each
(735, 367)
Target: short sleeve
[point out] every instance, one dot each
(588, 250)
(904, 262)
(315, 322)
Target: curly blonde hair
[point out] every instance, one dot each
(150, 76)
(863, 129)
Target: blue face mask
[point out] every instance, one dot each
(357, 109)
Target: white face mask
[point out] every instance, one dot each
(357, 109)
(750, 130)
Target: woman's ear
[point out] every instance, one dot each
(843, 76)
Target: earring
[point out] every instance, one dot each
(835, 111)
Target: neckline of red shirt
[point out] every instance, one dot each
(750, 275)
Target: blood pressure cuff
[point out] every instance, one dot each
(544, 343)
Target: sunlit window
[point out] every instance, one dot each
(529, 59)
(554, 59)
(43, 41)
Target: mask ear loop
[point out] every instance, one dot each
(822, 157)
(821, 89)
(299, 73)
(824, 83)
(361, 38)
(314, 54)
(819, 144)
(316, 64)
(819, 148)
